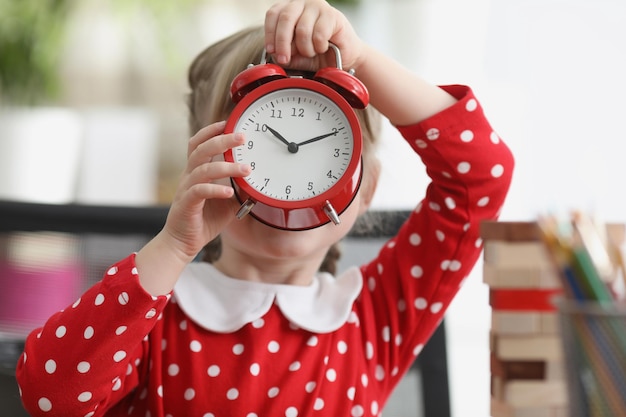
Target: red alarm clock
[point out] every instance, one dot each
(303, 142)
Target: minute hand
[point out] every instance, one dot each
(315, 139)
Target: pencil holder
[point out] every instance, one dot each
(594, 342)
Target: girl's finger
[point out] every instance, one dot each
(208, 150)
(205, 134)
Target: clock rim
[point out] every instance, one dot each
(342, 183)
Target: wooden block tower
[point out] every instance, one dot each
(527, 365)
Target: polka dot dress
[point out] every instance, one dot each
(118, 351)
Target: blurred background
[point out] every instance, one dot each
(92, 108)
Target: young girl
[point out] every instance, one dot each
(258, 330)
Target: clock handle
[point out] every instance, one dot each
(344, 82)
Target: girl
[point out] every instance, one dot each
(257, 329)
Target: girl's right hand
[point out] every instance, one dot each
(203, 205)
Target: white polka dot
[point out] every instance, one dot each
(371, 284)
(353, 318)
(420, 303)
(120, 330)
(90, 414)
(380, 373)
(450, 203)
(273, 392)
(440, 235)
(401, 305)
(445, 264)
(189, 394)
(173, 369)
(494, 138)
(454, 265)
(117, 384)
(76, 303)
(232, 394)
(273, 346)
(123, 298)
(310, 386)
(60, 332)
(386, 334)
(497, 171)
(112, 271)
(415, 239)
(434, 206)
(88, 333)
(471, 105)
(357, 411)
(255, 369)
(483, 202)
(421, 144)
(432, 133)
(463, 167)
(50, 366)
(436, 307)
(213, 370)
(258, 323)
(252, 415)
(478, 243)
(364, 380)
(417, 349)
(238, 349)
(331, 375)
(398, 340)
(83, 397)
(44, 404)
(294, 366)
(342, 347)
(151, 313)
(319, 404)
(291, 412)
(467, 136)
(351, 393)
(160, 391)
(119, 356)
(182, 325)
(99, 299)
(83, 367)
(380, 268)
(195, 346)
(417, 271)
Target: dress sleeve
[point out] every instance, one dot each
(90, 355)
(411, 283)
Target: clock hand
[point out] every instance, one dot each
(291, 146)
(315, 139)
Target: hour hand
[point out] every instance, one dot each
(291, 146)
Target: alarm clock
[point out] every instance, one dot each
(303, 143)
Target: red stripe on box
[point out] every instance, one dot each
(524, 299)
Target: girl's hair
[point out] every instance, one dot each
(209, 101)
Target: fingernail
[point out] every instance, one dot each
(282, 59)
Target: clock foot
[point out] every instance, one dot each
(331, 213)
(245, 208)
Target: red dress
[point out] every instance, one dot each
(221, 347)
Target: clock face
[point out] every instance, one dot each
(299, 143)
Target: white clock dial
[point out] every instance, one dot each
(298, 142)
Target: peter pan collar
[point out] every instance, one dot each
(224, 305)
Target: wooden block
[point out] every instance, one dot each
(517, 370)
(515, 323)
(555, 370)
(529, 276)
(509, 231)
(516, 254)
(524, 299)
(550, 323)
(501, 409)
(535, 393)
(528, 347)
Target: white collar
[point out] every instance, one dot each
(224, 305)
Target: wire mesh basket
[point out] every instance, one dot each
(594, 342)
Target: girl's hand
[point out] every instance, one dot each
(297, 33)
(203, 203)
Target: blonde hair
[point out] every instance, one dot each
(209, 78)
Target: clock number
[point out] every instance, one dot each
(319, 116)
(252, 165)
(266, 181)
(261, 128)
(297, 112)
(329, 174)
(336, 153)
(310, 186)
(288, 189)
(276, 114)
(250, 144)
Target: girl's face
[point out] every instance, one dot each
(253, 250)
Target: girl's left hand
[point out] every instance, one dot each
(298, 32)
